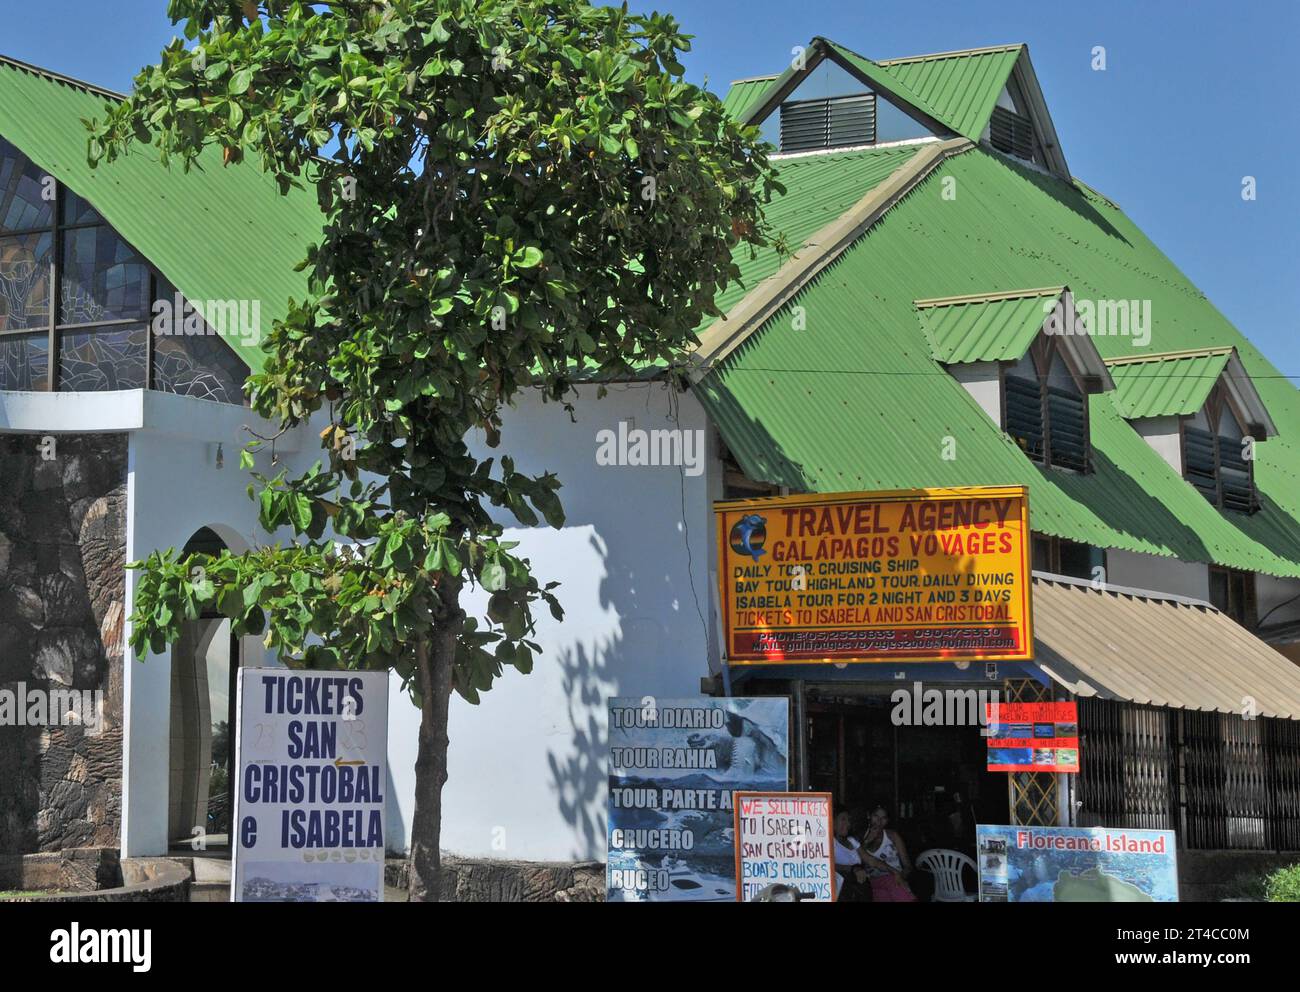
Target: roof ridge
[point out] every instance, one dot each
(987, 49)
(754, 79)
(59, 77)
(1164, 356)
(818, 251)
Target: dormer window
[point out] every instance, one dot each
(1010, 128)
(1215, 461)
(830, 105)
(1201, 413)
(1025, 357)
(1046, 410)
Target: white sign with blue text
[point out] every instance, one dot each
(309, 801)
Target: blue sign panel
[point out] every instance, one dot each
(674, 765)
(1076, 864)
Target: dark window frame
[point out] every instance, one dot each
(1239, 598)
(1052, 546)
(1042, 353)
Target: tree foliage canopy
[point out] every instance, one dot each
(515, 194)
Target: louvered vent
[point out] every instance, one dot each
(829, 123)
(1011, 133)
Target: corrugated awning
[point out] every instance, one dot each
(1160, 650)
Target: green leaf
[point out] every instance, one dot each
(493, 576)
(301, 508)
(530, 258)
(240, 82)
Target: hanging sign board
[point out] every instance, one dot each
(934, 574)
(1033, 737)
(309, 801)
(674, 765)
(784, 838)
(1076, 864)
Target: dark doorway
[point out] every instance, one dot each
(931, 779)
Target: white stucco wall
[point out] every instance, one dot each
(174, 488)
(1167, 575)
(527, 767)
(1164, 437)
(981, 380)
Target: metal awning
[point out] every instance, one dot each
(1147, 647)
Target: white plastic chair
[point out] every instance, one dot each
(946, 866)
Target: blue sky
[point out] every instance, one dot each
(1196, 95)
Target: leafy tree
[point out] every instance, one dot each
(515, 194)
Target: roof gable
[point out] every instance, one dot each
(1179, 383)
(217, 233)
(950, 92)
(960, 87)
(1000, 327)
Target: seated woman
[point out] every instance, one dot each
(885, 856)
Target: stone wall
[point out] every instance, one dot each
(490, 880)
(62, 599)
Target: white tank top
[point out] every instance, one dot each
(887, 852)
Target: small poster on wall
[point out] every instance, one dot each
(1033, 737)
(784, 839)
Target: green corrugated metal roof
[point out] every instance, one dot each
(819, 188)
(856, 402)
(960, 87)
(744, 93)
(1167, 385)
(216, 233)
(985, 329)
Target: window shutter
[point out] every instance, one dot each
(1068, 427)
(1011, 133)
(1198, 462)
(1234, 473)
(828, 123)
(1025, 415)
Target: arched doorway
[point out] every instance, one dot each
(205, 664)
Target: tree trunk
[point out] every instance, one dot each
(434, 659)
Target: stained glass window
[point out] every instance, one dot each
(105, 294)
(25, 281)
(25, 203)
(76, 210)
(102, 278)
(103, 358)
(25, 362)
(198, 366)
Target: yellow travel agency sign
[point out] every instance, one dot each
(922, 574)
